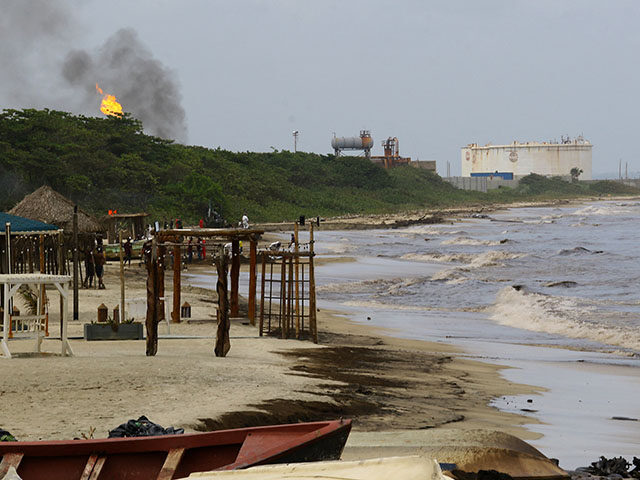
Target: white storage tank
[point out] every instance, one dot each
(549, 159)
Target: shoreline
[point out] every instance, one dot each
(429, 215)
(186, 386)
(106, 383)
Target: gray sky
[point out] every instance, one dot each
(437, 75)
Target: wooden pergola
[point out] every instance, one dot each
(174, 239)
(33, 325)
(133, 223)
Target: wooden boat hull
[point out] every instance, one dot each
(175, 456)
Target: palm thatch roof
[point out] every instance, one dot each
(47, 205)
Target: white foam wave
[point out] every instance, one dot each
(431, 231)
(361, 286)
(616, 209)
(336, 248)
(559, 316)
(451, 276)
(470, 241)
(492, 258)
(437, 257)
(378, 287)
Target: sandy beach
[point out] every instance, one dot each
(408, 391)
(356, 371)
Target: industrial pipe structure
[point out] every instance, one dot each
(363, 142)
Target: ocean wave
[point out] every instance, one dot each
(431, 231)
(360, 286)
(472, 241)
(578, 251)
(377, 287)
(336, 248)
(437, 257)
(615, 209)
(556, 315)
(492, 258)
(451, 276)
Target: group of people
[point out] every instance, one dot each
(200, 247)
(94, 261)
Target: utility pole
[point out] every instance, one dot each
(620, 169)
(76, 273)
(295, 140)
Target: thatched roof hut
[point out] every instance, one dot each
(47, 205)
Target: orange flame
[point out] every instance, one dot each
(109, 105)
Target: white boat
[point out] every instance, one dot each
(412, 467)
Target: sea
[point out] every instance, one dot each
(551, 292)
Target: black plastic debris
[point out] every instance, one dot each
(6, 436)
(142, 427)
(616, 465)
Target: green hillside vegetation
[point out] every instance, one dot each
(109, 163)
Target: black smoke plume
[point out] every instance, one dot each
(124, 67)
(41, 66)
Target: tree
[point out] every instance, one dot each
(575, 172)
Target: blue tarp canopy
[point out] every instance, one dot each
(24, 225)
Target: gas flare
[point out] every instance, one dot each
(109, 105)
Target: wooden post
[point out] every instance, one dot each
(177, 270)
(61, 257)
(313, 325)
(30, 255)
(162, 250)
(252, 281)
(41, 252)
(262, 281)
(223, 344)
(283, 298)
(235, 274)
(43, 269)
(75, 262)
(152, 299)
(290, 301)
(7, 238)
(297, 278)
(8, 307)
(122, 317)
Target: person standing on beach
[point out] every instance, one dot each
(89, 268)
(190, 250)
(99, 260)
(128, 250)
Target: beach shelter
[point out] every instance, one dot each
(132, 224)
(26, 244)
(49, 206)
(22, 243)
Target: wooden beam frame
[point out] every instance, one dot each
(235, 275)
(253, 249)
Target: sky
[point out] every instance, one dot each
(244, 74)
